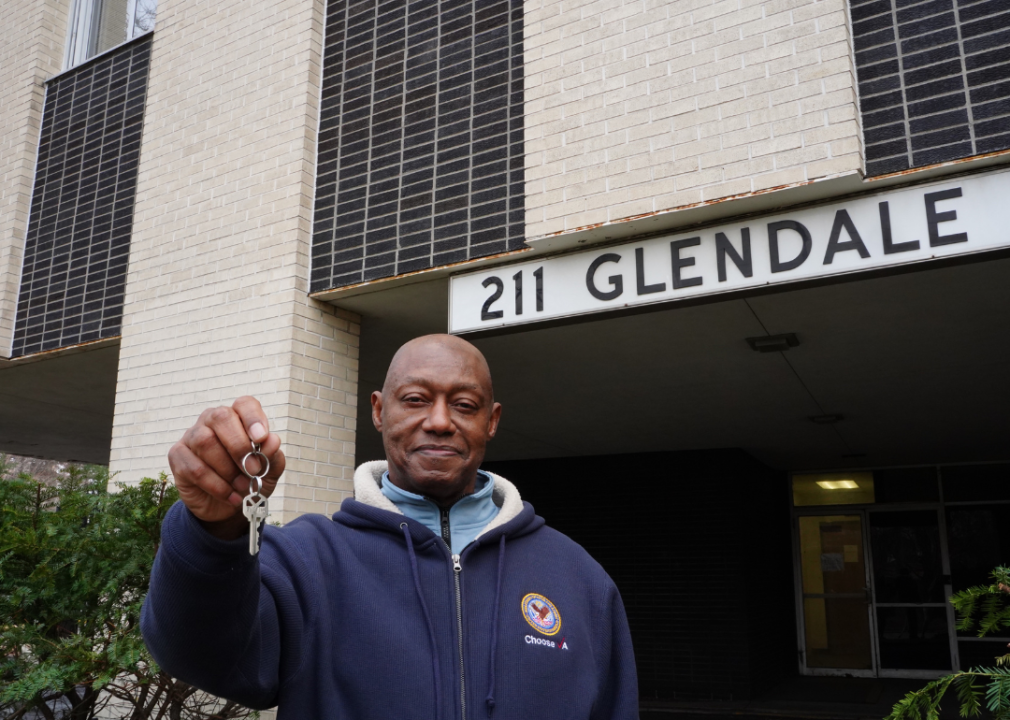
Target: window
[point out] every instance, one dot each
(99, 25)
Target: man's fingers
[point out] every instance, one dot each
(257, 427)
(207, 462)
(272, 449)
(232, 434)
(189, 469)
(253, 418)
(205, 444)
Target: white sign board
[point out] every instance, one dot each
(944, 219)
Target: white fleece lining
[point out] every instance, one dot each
(368, 481)
(367, 484)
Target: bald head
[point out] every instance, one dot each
(436, 413)
(449, 349)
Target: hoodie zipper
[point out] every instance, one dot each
(456, 570)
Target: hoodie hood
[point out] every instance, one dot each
(368, 483)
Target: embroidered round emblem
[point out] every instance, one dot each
(541, 614)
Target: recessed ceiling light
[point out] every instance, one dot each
(773, 343)
(826, 419)
(838, 484)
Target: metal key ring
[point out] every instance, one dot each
(257, 480)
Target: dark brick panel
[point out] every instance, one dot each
(698, 544)
(78, 241)
(934, 79)
(420, 159)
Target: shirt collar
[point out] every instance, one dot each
(483, 489)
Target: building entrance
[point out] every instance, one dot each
(835, 592)
(873, 577)
(873, 593)
(662, 443)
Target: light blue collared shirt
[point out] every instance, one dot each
(467, 518)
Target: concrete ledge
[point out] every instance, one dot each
(59, 352)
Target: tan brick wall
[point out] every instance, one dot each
(216, 303)
(32, 35)
(637, 106)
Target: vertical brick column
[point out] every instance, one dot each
(216, 304)
(34, 34)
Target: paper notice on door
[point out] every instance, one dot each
(832, 562)
(851, 553)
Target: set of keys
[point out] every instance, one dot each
(255, 506)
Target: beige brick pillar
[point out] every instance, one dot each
(34, 33)
(216, 303)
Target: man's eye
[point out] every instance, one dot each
(413, 399)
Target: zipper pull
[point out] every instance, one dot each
(456, 567)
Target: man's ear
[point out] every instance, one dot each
(492, 426)
(377, 410)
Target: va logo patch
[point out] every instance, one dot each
(541, 614)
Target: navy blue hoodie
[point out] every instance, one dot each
(368, 615)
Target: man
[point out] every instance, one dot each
(435, 593)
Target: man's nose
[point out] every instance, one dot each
(439, 419)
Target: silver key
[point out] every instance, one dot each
(255, 506)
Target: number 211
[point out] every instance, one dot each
(486, 313)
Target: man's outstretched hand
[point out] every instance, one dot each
(206, 464)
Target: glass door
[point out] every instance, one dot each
(877, 554)
(836, 596)
(909, 592)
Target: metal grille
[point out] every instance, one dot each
(81, 216)
(934, 79)
(420, 146)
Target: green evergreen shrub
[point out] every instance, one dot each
(985, 609)
(75, 562)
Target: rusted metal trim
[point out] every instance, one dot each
(974, 159)
(332, 294)
(414, 276)
(681, 208)
(61, 351)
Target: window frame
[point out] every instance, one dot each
(80, 29)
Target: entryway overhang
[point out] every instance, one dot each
(898, 369)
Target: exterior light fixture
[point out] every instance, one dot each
(826, 419)
(773, 343)
(838, 484)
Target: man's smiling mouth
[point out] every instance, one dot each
(438, 450)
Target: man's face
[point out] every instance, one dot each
(436, 415)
